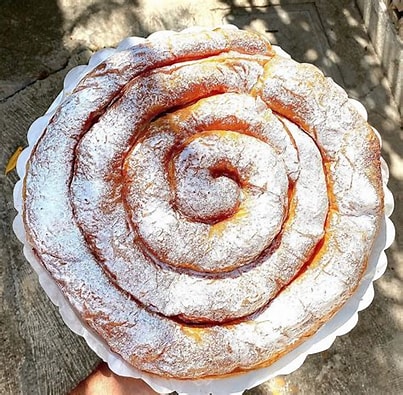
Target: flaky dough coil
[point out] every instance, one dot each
(204, 204)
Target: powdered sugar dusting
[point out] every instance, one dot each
(211, 113)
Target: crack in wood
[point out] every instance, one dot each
(48, 74)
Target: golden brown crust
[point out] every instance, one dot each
(215, 204)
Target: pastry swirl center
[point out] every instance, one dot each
(227, 189)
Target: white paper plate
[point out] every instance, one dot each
(339, 325)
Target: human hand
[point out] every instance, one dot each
(104, 382)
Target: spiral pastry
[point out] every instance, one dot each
(204, 204)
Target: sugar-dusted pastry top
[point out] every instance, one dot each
(204, 204)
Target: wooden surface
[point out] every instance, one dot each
(41, 40)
